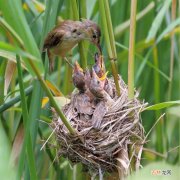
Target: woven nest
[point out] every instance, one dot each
(105, 130)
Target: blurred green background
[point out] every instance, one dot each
(24, 124)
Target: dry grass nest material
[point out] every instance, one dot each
(104, 134)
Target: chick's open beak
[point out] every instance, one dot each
(77, 67)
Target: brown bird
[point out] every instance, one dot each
(93, 33)
(69, 33)
(97, 84)
(79, 78)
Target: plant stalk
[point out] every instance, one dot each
(173, 17)
(132, 50)
(108, 44)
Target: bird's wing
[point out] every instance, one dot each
(53, 39)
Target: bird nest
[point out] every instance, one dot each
(106, 131)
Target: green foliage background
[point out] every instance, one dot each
(23, 27)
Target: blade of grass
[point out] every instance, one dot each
(158, 20)
(27, 145)
(13, 13)
(168, 30)
(14, 100)
(162, 105)
(125, 25)
(8, 51)
(132, 50)
(9, 29)
(35, 110)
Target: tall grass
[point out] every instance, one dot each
(140, 39)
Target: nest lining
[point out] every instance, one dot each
(118, 127)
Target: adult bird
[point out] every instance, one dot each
(68, 34)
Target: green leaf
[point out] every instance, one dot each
(6, 169)
(158, 20)
(9, 52)
(13, 14)
(162, 105)
(168, 29)
(8, 28)
(27, 145)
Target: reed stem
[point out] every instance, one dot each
(110, 47)
(132, 49)
(173, 17)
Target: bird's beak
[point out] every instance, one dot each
(99, 48)
(94, 75)
(77, 67)
(104, 76)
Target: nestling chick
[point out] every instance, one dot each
(97, 85)
(98, 67)
(78, 78)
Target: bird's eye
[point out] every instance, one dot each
(74, 30)
(94, 36)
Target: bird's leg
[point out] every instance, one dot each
(51, 61)
(66, 59)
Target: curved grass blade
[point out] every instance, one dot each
(9, 29)
(125, 25)
(168, 29)
(15, 99)
(162, 105)
(8, 51)
(158, 20)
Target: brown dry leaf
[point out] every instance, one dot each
(9, 73)
(53, 88)
(17, 145)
